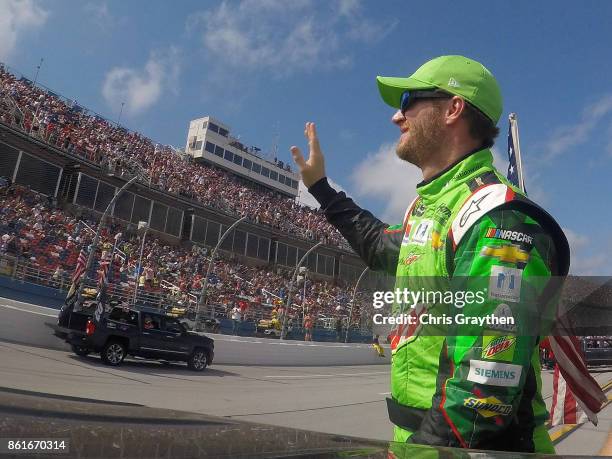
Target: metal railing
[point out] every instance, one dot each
(25, 271)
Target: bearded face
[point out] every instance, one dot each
(423, 134)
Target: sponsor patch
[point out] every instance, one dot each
(495, 374)
(442, 214)
(421, 233)
(498, 347)
(436, 241)
(504, 311)
(419, 210)
(406, 238)
(508, 235)
(487, 407)
(473, 208)
(507, 253)
(410, 259)
(505, 283)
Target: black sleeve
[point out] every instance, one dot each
(376, 242)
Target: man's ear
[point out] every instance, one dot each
(454, 109)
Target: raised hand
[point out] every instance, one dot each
(313, 169)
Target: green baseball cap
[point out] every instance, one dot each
(457, 75)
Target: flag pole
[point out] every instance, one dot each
(517, 149)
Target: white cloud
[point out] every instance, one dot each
(384, 176)
(141, 88)
(576, 241)
(500, 161)
(280, 38)
(100, 14)
(570, 136)
(586, 259)
(609, 144)
(17, 17)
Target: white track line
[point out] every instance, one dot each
(31, 312)
(328, 375)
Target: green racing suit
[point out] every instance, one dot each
(469, 375)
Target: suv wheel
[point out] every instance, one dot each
(80, 350)
(198, 360)
(113, 353)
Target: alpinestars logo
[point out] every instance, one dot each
(472, 209)
(515, 236)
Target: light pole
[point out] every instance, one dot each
(348, 327)
(94, 244)
(120, 113)
(210, 265)
(141, 225)
(304, 295)
(38, 70)
(288, 305)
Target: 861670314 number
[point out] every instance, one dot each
(30, 445)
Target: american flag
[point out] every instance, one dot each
(80, 266)
(515, 174)
(576, 394)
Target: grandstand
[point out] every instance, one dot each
(62, 165)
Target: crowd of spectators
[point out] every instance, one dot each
(70, 127)
(47, 238)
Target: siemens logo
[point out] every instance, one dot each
(507, 235)
(495, 373)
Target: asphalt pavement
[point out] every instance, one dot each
(347, 400)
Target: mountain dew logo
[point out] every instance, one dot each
(498, 347)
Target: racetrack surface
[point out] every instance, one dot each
(347, 400)
(24, 323)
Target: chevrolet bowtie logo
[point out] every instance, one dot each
(506, 253)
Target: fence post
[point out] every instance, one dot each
(16, 263)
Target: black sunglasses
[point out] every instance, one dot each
(409, 96)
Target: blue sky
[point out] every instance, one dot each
(265, 67)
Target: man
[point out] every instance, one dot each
(148, 323)
(236, 319)
(377, 347)
(468, 231)
(308, 325)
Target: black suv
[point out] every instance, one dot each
(149, 334)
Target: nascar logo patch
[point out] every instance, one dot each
(508, 235)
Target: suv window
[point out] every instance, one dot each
(123, 316)
(150, 322)
(173, 326)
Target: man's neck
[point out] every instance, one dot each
(444, 159)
